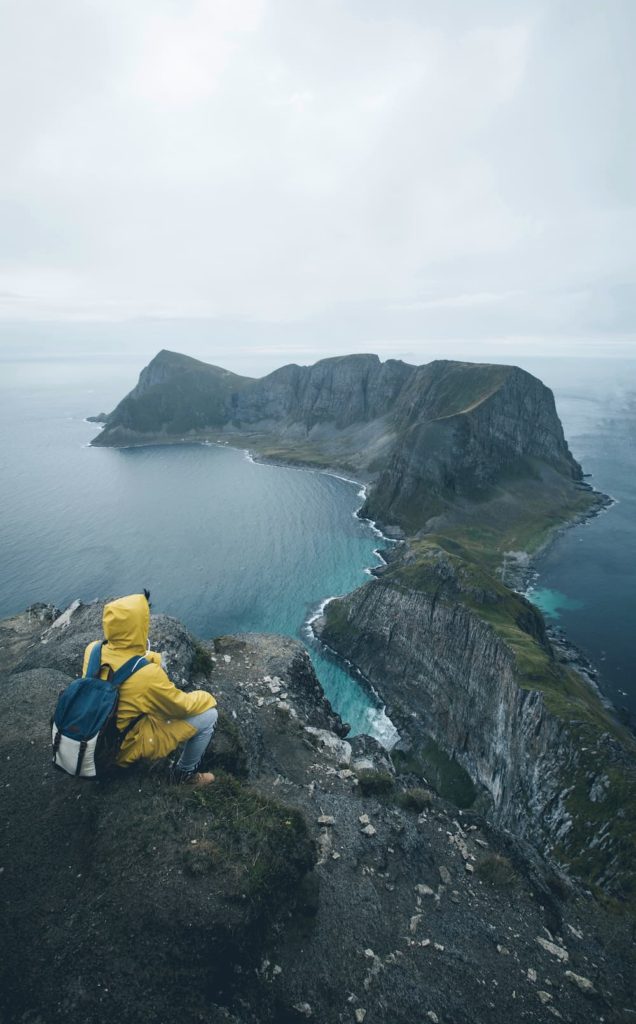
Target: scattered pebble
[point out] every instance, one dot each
(424, 890)
(360, 1014)
(364, 819)
(326, 819)
(532, 974)
(303, 1008)
(368, 830)
(545, 997)
(444, 874)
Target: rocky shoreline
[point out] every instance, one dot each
(521, 576)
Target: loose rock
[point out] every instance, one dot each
(584, 984)
(303, 1008)
(557, 951)
(424, 890)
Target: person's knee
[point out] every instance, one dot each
(205, 721)
(212, 716)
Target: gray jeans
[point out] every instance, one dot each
(197, 745)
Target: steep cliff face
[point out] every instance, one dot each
(462, 427)
(460, 659)
(342, 391)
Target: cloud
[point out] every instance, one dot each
(458, 170)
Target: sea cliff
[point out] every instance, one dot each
(460, 658)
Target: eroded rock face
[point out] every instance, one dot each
(458, 452)
(283, 892)
(446, 673)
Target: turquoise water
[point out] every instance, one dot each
(553, 602)
(224, 544)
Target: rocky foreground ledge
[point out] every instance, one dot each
(311, 882)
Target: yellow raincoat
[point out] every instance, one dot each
(148, 692)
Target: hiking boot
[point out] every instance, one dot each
(192, 778)
(198, 779)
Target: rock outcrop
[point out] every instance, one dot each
(312, 881)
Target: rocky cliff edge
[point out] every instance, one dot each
(312, 881)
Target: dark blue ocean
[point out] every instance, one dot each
(228, 545)
(587, 577)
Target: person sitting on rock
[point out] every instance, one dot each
(165, 716)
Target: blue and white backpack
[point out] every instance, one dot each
(84, 731)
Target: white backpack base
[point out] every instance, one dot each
(67, 755)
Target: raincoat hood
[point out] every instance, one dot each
(126, 623)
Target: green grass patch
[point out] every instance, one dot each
(227, 752)
(258, 842)
(497, 870)
(416, 799)
(431, 764)
(201, 664)
(374, 783)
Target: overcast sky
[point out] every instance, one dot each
(278, 180)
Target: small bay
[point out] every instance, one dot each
(224, 544)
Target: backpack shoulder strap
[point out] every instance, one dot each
(128, 669)
(95, 660)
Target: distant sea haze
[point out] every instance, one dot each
(228, 546)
